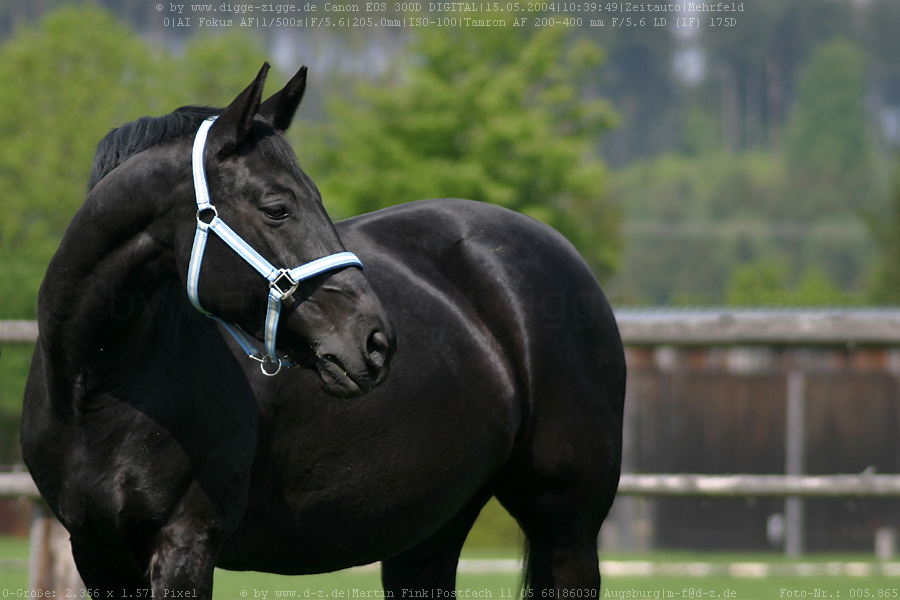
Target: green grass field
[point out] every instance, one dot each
(504, 585)
(496, 537)
(360, 582)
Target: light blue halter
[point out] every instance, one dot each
(282, 282)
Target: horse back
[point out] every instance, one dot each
(529, 287)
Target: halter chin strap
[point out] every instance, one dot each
(282, 282)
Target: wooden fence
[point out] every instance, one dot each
(775, 329)
(652, 328)
(701, 328)
(51, 568)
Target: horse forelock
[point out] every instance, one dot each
(132, 138)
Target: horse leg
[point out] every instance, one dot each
(561, 483)
(430, 566)
(183, 561)
(182, 565)
(104, 579)
(561, 528)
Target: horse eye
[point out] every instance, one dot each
(275, 211)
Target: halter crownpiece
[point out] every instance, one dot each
(282, 282)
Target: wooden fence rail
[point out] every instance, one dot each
(20, 485)
(746, 486)
(18, 332)
(17, 485)
(873, 327)
(878, 327)
(51, 568)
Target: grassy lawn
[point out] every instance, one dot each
(348, 584)
(359, 582)
(503, 585)
(12, 579)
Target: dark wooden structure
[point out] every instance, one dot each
(721, 410)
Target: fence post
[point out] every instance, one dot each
(627, 509)
(794, 459)
(51, 568)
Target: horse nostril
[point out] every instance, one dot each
(377, 349)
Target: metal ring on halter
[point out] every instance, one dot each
(204, 209)
(262, 366)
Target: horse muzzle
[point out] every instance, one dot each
(349, 371)
(342, 332)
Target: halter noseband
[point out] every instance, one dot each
(282, 282)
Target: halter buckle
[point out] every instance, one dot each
(291, 287)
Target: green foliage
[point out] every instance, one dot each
(882, 21)
(493, 114)
(63, 85)
(805, 202)
(675, 188)
(687, 224)
(828, 129)
(753, 67)
(775, 30)
(216, 67)
(14, 363)
(768, 283)
(884, 285)
(692, 220)
(639, 80)
(826, 142)
(699, 133)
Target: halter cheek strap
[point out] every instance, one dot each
(282, 282)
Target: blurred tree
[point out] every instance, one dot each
(690, 221)
(884, 283)
(827, 130)
(63, 85)
(825, 142)
(882, 43)
(487, 113)
(699, 133)
(768, 283)
(215, 67)
(638, 78)
(755, 63)
(882, 23)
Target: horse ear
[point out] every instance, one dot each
(233, 125)
(280, 108)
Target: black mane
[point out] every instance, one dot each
(125, 141)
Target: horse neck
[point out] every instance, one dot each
(116, 253)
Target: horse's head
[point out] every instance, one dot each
(331, 321)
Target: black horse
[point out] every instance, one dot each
(166, 452)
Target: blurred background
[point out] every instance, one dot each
(749, 162)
